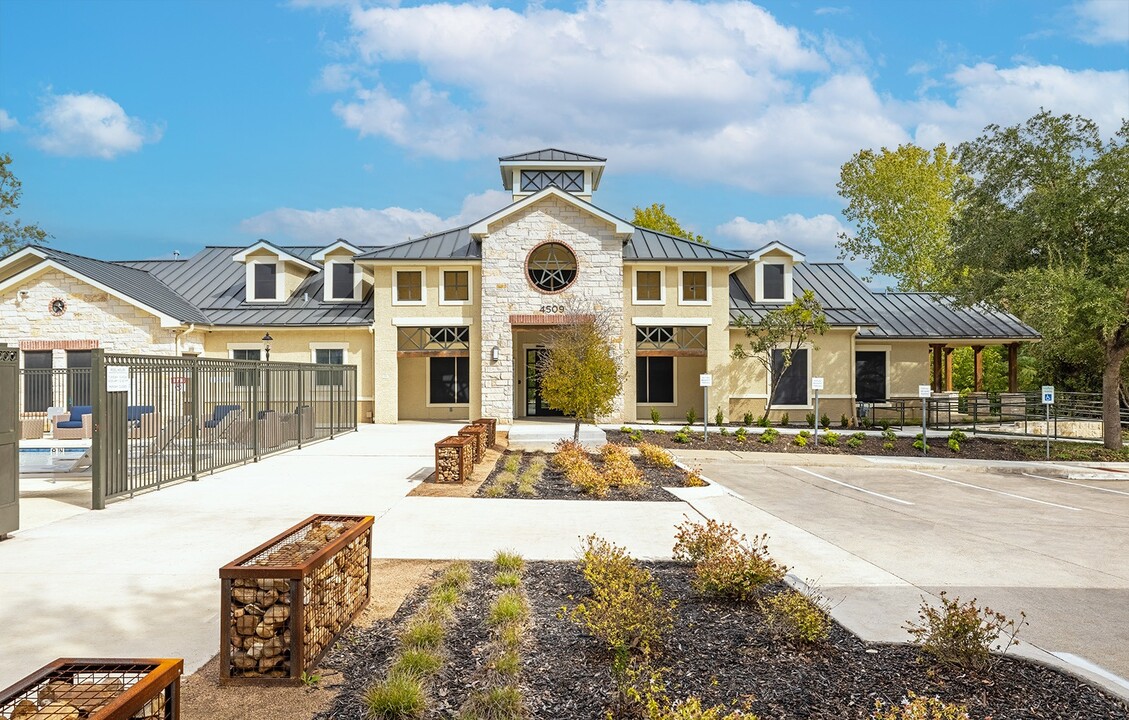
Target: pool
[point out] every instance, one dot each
(52, 458)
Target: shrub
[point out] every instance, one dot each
(763, 421)
(824, 421)
(831, 438)
(567, 453)
(507, 579)
(801, 440)
(954, 445)
(844, 421)
(884, 424)
(747, 420)
(691, 709)
(694, 478)
(889, 434)
(692, 416)
(958, 436)
(507, 663)
(769, 435)
(963, 634)
(625, 609)
(655, 455)
(694, 542)
(724, 431)
(457, 575)
(856, 441)
(918, 444)
(797, 616)
(508, 562)
(399, 696)
(727, 564)
(443, 597)
(423, 634)
(636, 436)
(585, 477)
(682, 436)
(624, 429)
(512, 462)
(619, 470)
(504, 702)
(655, 417)
(509, 608)
(417, 663)
(784, 420)
(916, 707)
(888, 445)
(866, 423)
(719, 417)
(660, 431)
(810, 420)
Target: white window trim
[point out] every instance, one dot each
(279, 281)
(641, 321)
(635, 285)
(682, 285)
(315, 346)
(443, 285)
(811, 358)
(674, 380)
(244, 346)
(427, 388)
(327, 282)
(422, 285)
(758, 295)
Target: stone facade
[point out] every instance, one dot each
(507, 291)
(110, 322)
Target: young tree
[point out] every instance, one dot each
(1044, 233)
(13, 233)
(656, 217)
(583, 373)
(902, 202)
(786, 330)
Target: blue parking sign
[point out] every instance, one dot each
(1048, 394)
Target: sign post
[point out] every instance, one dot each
(1048, 400)
(816, 386)
(924, 392)
(705, 380)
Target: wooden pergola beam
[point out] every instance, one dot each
(977, 368)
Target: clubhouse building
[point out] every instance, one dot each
(452, 325)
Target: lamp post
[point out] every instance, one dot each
(266, 346)
(266, 342)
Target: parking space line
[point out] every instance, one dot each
(998, 492)
(852, 487)
(1082, 485)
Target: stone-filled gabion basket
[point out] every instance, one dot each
(285, 602)
(491, 425)
(97, 689)
(478, 432)
(454, 459)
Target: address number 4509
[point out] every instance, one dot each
(552, 309)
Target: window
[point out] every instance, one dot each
(654, 380)
(695, 287)
(246, 378)
(870, 375)
(653, 337)
(773, 281)
(449, 382)
(456, 286)
(265, 281)
(342, 280)
(568, 180)
(329, 356)
(792, 387)
(648, 286)
(551, 267)
(37, 380)
(409, 286)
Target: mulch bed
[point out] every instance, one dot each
(721, 652)
(553, 484)
(972, 448)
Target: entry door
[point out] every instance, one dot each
(534, 406)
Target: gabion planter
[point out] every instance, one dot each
(285, 602)
(491, 425)
(478, 432)
(454, 459)
(97, 689)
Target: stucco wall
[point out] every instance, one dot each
(413, 395)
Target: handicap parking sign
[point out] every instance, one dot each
(1048, 394)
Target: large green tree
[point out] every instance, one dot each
(902, 202)
(13, 233)
(1044, 233)
(785, 330)
(656, 217)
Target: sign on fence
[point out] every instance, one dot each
(117, 378)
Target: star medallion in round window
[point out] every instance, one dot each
(551, 267)
(58, 306)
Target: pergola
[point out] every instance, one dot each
(942, 358)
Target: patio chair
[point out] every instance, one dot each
(220, 413)
(221, 429)
(141, 421)
(76, 425)
(168, 435)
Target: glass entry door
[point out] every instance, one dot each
(534, 406)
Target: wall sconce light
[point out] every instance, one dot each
(267, 341)
(21, 296)
(494, 354)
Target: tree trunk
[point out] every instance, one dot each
(1111, 395)
(576, 430)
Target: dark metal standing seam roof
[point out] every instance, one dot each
(456, 244)
(551, 155)
(646, 244)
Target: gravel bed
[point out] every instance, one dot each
(554, 486)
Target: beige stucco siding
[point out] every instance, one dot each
(907, 365)
(413, 400)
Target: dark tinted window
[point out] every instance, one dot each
(654, 380)
(37, 380)
(773, 282)
(78, 381)
(245, 378)
(870, 375)
(792, 387)
(450, 381)
(264, 282)
(329, 356)
(342, 280)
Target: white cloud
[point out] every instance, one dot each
(90, 125)
(815, 235)
(372, 226)
(7, 122)
(1103, 21)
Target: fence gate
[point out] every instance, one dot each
(9, 441)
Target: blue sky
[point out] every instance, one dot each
(140, 128)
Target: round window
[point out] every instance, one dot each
(58, 306)
(551, 267)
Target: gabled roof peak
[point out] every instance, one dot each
(282, 255)
(551, 155)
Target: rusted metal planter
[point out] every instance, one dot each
(284, 603)
(98, 689)
(454, 459)
(478, 432)
(491, 425)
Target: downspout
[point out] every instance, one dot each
(177, 347)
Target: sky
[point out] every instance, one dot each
(139, 129)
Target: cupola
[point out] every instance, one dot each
(527, 173)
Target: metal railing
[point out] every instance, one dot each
(43, 389)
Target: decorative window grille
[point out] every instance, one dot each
(665, 338)
(567, 180)
(409, 286)
(551, 267)
(434, 339)
(648, 285)
(694, 286)
(456, 285)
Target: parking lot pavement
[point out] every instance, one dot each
(1051, 547)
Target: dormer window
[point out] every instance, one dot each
(773, 281)
(775, 266)
(266, 281)
(342, 279)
